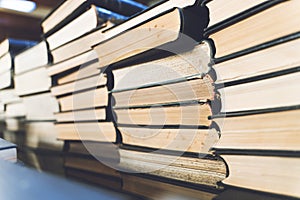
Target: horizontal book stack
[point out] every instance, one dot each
(257, 66)
(78, 85)
(32, 84)
(88, 81)
(161, 107)
(12, 109)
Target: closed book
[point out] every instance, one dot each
(32, 58)
(26, 85)
(89, 131)
(281, 55)
(272, 174)
(195, 89)
(221, 11)
(248, 34)
(181, 139)
(83, 100)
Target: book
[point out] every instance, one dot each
(161, 30)
(9, 96)
(180, 66)
(158, 189)
(280, 118)
(222, 10)
(195, 89)
(32, 58)
(266, 95)
(75, 28)
(99, 35)
(237, 42)
(83, 84)
(202, 171)
(281, 55)
(67, 11)
(8, 151)
(256, 174)
(175, 139)
(83, 71)
(81, 115)
(6, 80)
(101, 131)
(15, 110)
(71, 63)
(40, 107)
(86, 99)
(6, 63)
(193, 115)
(25, 85)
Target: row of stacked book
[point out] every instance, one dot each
(257, 66)
(153, 92)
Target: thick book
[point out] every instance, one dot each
(9, 96)
(8, 151)
(202, 171)
(69, 10)
(25, 84)
(281, 55)
(99, 35)
(272, 174)
(196, 89)
(277, 132)
(83, 100)
(89, 131)
(182, 140)
(221, 10)
(156, 189)
(6, 80)
(161, 71)
(95, 114)
(248, 34)
(83, 71)
(40, 107)
(167, 28)
(15, 110)
(262, 94)
(78, 61)
(80, 85)
(192, 115)
(84, 23)
(32, 58)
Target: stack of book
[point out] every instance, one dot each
(257, 66)
(79, 86)
(32, 84)
(162, 94)
(162, 52)
(12, 109)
